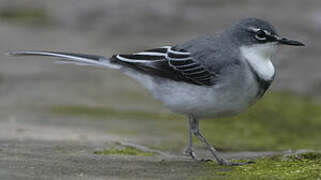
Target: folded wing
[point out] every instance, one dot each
(170, 63)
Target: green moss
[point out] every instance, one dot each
(276, 168)
(124, 151)
(24, 15)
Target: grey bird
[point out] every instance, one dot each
(207, 77)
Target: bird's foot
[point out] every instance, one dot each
(191, 153)
(223, 162)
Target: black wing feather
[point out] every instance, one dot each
(170, 63)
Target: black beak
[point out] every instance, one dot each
(290, 42)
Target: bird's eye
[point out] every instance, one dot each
(260, 35)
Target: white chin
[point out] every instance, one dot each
(259, 57)
(266, 50)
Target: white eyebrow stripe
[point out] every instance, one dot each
(257, 29)
(254, 29)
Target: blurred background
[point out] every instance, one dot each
(44, 101)
(54, 117)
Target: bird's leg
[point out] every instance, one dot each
(194, 124)
(189, 149)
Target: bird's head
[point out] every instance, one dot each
(258, 34)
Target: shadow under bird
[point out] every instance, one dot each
(207, 77)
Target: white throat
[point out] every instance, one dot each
(258, 57)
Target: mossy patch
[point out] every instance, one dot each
(38, 16)
(277, 168)
(124, 151)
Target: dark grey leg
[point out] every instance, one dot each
(189, 149)
(194, 124)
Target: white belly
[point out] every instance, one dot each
(217, 101)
